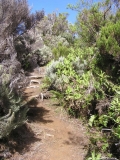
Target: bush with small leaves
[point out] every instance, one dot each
(53, 41)
(60, 51)
(13, 16)
(51, 72)
(109, 41)
(108, 44)
(44, 55)
(12, 111)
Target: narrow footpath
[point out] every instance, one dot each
(49, 133)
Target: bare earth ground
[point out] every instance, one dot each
(49, 133)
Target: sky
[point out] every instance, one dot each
(57, 6)
(50, 6)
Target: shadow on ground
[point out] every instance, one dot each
(19, 140)
(37, 113)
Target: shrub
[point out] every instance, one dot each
(53, 41)
(44, 55)
(51, 72)
(109, 41)
(13, 16)
(60, 51)
(108, 44)
(80, 84)
(27, 46)
(71, 77)
(12, 111)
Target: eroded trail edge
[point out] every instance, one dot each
(49, 133)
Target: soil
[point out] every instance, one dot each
(49, 133)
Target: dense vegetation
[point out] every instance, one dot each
(15, 23)
(84, 74)
(86, 78)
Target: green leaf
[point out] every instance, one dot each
(91, 120)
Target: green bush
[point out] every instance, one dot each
(60, 51)
(109, 50)
(12, 111)
(44, 55)
(78, 81)
(112, 116)
(109, 40)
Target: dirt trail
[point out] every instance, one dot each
(49, 134)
